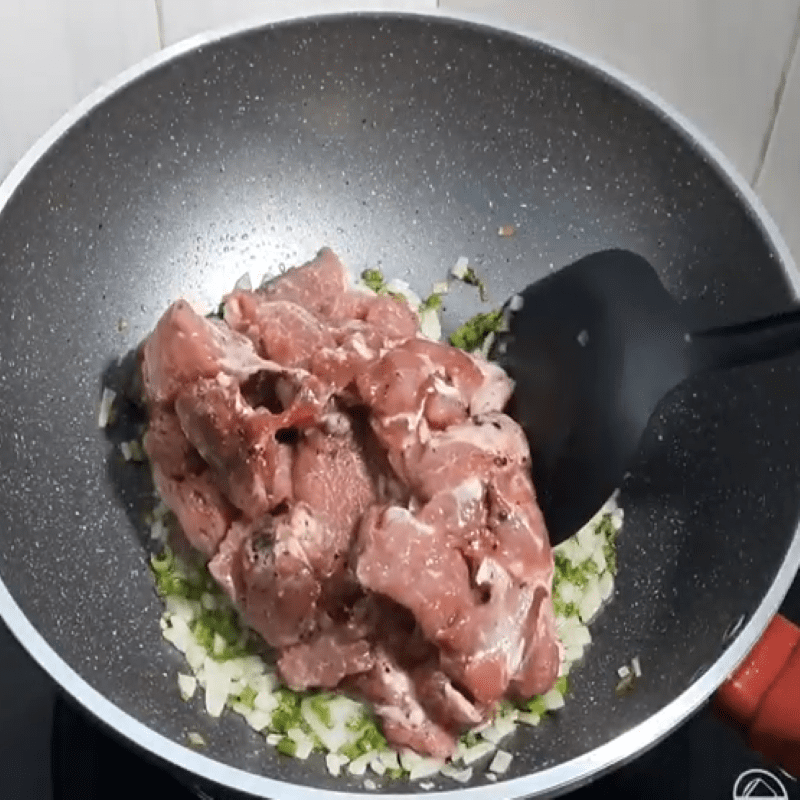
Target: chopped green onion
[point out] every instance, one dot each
(287, 746)
(471, 277)
(373, 278)
(432, 302)
(472, 333)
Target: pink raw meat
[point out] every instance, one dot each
(361, 497)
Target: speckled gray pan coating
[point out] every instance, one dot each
(402, 143)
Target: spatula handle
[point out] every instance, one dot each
(746, 343)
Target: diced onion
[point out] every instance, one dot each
(377, 766)
(624, 671)
(606, 585)
(195, 739)
(476, 752)
(257, 719)
(195, 655)
(265, 701)
(573, 653)
(576, 635)
(501, 762)
(458, 775)
(243, 283)
(528, 718)
(398, 286)
(178, 633)
(591, 602)
(358, 766)
(106, 406)
(429, 324)
(389, 759)
(499, 730)
(460, 268)
(334, 762)
(303, 741)
(218, 686)
(553, 700)
(187, 684)
(181, 607)
(424, 768)
(636, 666)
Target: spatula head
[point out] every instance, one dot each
(592, 349)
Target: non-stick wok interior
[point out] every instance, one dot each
(402, 143)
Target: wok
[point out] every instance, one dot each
(402, 142)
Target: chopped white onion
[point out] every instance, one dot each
(553, 700)
(636, 666)
(476, 752)
(573, 653)
(501, 728)
(377, 766)
(243, 283)
(429, 325)
(501, 761)
(591, 602)
(178, 633)
(623, 671)
(569, 592)
(218, 686)
(458, 775)
(576, 635)
(187, 684)
(528, 718)
(182, 607)
(195, 739)
(389, 759)
(106, 406)
(358, 766)
(424, 768)
(515, 303)
(257, 719)
(486, 347)
(606, 585)
(274, 738)
(401, 287)
(195, 655)
(303, 742)
(599, 558)
(460, 268)
(334, 762)
(265, 701)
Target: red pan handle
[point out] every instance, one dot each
(763, 697)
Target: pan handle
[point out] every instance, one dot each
(762, 698)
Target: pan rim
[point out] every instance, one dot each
(557, 779)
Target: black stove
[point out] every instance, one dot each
(50, 750)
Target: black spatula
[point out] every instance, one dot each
(593, 348)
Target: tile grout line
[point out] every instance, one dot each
(776, 102)
(160, 23)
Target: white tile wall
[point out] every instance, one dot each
(718, 61)
(54, 52)
(182, 18)
(779, 182)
